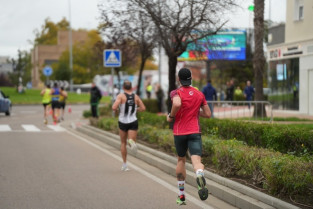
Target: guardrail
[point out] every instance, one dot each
(242, 109)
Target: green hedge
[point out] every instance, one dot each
(279, 137)
(282, 138)
(276, 172)
(151, 105)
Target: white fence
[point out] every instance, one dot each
(241, 109)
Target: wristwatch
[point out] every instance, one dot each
(169, 115)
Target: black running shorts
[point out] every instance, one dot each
(55, 105)
(192, 142)
(45, 104)
(128, 126)
(62, 105)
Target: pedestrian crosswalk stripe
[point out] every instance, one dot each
(56, 128)
(31, 128)
(5, 128)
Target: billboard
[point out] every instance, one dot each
(225, 45)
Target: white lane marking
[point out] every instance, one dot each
(5, 128)
(30, 128)
(56, 128)
(28, 111)
(143, 172)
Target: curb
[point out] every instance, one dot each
(229, 191)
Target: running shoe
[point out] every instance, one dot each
(202, 190)
(133, 145)
(124, 168)
(45, 121)
(181, 200)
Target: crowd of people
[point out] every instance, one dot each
(54, 102)
(188, 104)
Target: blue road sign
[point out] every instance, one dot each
(112, 58)
(47, 71)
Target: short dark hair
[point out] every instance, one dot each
(127, 85)
(209, 81)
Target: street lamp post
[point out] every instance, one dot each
(70, 48)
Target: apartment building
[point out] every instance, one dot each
(43, 55)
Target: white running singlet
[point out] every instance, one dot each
(128, 110)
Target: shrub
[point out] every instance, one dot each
(87, 113)
(108, 124)
(278, 173)
(281, 138)
(152, 119)
(288, 174)
(151, 105)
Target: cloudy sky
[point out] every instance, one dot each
(19, 18)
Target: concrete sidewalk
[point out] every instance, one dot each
(229, 191)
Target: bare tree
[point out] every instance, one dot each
(258, 59)
(178, 20)
(131, 23)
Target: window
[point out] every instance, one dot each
(298, 10)
(301, 12)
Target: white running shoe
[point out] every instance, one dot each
(124, 168)
(133, 146)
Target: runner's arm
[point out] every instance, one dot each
(140, 104)
(206, 112)
(64, 94)
(42, 92)
(175, 107)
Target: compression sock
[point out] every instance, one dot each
(181, 187)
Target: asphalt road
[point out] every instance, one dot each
(49, 166)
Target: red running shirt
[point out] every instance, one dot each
(187, 117)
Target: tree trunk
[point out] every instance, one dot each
(258, 59)
(142, 64)
(172, 62)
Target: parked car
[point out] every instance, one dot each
(5, 104)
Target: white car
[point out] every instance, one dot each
(5, 104)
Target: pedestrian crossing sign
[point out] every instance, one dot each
(112, 58)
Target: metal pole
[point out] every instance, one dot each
(70, 47)
(112, 77)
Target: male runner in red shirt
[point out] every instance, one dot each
(187, 102)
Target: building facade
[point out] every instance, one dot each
(43, 55)
(290, 59)
(5, 66)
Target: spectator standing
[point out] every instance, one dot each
(160, 95)
(210, 95)
(116, 91)
(95, 97)
(248, 93)
(227, 91)
(149, 90)
(231, 90)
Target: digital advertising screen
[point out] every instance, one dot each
(225, 45)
